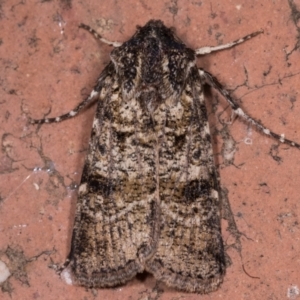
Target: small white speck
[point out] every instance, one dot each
(248, 141)
(20, 226)
(4, 272)
(72, 113)
(282, 138)
(293, 292)
(61, 27)
(266, 131)
(239, 112)
(93, 94)
(238, 7)
(66, 276)
(57, 119)
(37, 187)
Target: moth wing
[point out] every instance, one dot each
(114, 233)
(189, 254)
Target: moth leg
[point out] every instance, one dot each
(98, 36)
(209, 79)
(209, 49)
(102, 86)
(93, 94)
(71, 113)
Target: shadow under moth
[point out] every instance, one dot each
(149, 197)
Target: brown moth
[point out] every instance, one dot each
(149, 197)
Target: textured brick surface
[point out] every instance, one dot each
(48, 65)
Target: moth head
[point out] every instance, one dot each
(153, 59)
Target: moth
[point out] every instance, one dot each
(149, 197)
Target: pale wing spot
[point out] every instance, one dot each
(206, 129)
(66, 276)
(93, 94)
(82, 188)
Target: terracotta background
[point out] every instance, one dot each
(48, 65)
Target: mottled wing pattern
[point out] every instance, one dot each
(149, 192)
(190, 253)
(115, 227)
